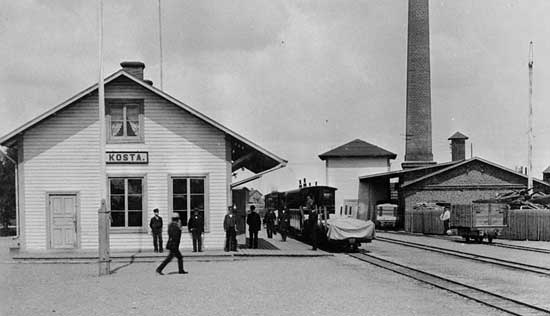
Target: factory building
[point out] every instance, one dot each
(160, 153)
(459, 181)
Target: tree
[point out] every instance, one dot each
(7, 190)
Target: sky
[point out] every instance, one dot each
(297, 77)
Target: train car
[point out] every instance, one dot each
(386, 215)
(323, 197)
(479, 220)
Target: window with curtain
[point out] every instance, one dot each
(125, 120)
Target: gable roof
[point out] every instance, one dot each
(468, 161)
(458, 135)
(357, 148)
(253, 157)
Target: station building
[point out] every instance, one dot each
(345, 163)
(160, 153)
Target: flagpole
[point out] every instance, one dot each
(160, 44)
(103, 215)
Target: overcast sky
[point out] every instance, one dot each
(297, 77)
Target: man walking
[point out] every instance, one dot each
(230, 227)
(254, 225)
(156, 230)
(196, 228)
(173, 244)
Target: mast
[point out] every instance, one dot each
(530, 128)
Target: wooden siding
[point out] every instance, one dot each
(61, 153)
(343, 174)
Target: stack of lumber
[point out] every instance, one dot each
(521, 199)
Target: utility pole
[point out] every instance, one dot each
(103, 220)
(530, 131)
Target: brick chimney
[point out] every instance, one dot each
(134, 68)
(418, 143)
(458, 146)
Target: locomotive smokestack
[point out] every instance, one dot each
(299, 184)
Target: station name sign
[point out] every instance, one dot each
(127, 157)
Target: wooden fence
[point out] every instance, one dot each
(522, 224)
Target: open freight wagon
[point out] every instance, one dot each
(479, 220)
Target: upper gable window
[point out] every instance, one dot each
(125, 120)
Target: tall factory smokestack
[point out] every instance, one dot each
(418, 143)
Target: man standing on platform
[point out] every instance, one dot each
(230, 227)
(313, 229)
(254, 224)
(284, 223)
(196, 228)
(173, 244)
(269, 221)
(156, 230)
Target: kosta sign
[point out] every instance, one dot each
(127, 157)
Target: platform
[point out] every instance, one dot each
(272, 247)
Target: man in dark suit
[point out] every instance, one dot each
(284, 224)
(156, 230)
(269, 222)
(254, 224)
(173, 244)
(196, 228)
(313, 229)
(230, 227)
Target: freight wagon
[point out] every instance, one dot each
(479, 220)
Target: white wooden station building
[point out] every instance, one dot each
(160, 153)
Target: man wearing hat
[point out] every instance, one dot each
(173, 244)
(196, 228)
(230, 227)
(156, 229)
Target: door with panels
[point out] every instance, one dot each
(63, 221)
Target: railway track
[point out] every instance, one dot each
(466, 255)
(494, 300)
(493, 244)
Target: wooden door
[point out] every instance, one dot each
(62, 221)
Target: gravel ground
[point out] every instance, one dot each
(521, 256)
(524, 286)
(336, 285)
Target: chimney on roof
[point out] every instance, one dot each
(458, 146)
(134, 68)
(546, 175)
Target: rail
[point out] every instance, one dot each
(480, 258)
(500, 302)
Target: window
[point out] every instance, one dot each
(125, 119)
(126, 202)
(188, 194)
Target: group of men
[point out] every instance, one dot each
(195, 226)
(254, 225)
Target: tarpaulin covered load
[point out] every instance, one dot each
(345, 228)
